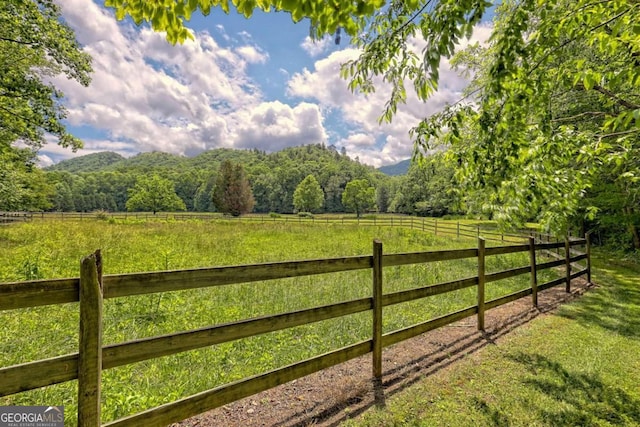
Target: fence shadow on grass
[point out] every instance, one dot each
(584, 398)
(614, 307)
(462, 341)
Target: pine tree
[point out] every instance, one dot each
(232, 193)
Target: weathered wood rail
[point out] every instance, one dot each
(92, 287)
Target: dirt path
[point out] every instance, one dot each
(344, 391)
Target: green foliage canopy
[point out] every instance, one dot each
(22, 185)
(426, 190)
(308, 196)
(325, 16)
(36, 44)
(359, 196)
(154, 194)
(101, 181)
(557, 105)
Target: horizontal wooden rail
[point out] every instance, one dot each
(579, 273)
(427, 291)
(503, 250)
(548, 246)
(38, 292)
(579, 257)
(146, 283)
(413, 331)
(58, 291)
(550, 264)
(41, 373)
(507, 274)
(150, 348)
(424, 257)
(551, 284)
(508, 298)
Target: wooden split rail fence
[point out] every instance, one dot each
(92, 287)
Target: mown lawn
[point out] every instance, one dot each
(579, 366)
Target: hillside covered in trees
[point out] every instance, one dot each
(107, 181)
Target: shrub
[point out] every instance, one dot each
(101, 215)
(305, 214)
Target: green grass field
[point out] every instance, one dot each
(52, 249)
(579, 366)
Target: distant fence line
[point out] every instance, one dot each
(432, 225)
(91, 288)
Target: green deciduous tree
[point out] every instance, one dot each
(203, 201)
(426, 190)
(36, 44)
(558, 108)
(154, 194)
(308, 196)
(22, 184)
(359, 196)
(325, 16)
(232, 193)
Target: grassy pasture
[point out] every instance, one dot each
(52, 249)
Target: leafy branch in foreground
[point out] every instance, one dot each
(35, 44)
(556, 109)
(325, 16)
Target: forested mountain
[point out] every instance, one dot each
(90, 163)
(400, 168)
(107, 180)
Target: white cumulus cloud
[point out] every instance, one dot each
(324, 85)
(147, 94)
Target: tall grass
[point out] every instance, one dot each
(53, 249)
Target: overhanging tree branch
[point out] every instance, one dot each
(615, 134)
(30, 43)
(615, 97)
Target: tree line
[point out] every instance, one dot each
(312, 178)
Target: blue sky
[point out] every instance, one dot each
(256, 83)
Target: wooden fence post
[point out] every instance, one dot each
(458, 232)
(435, 228)
(534, 273)
(567, 257)
(481, 282)
(377, 309)
(90, 345)
(588, 250)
